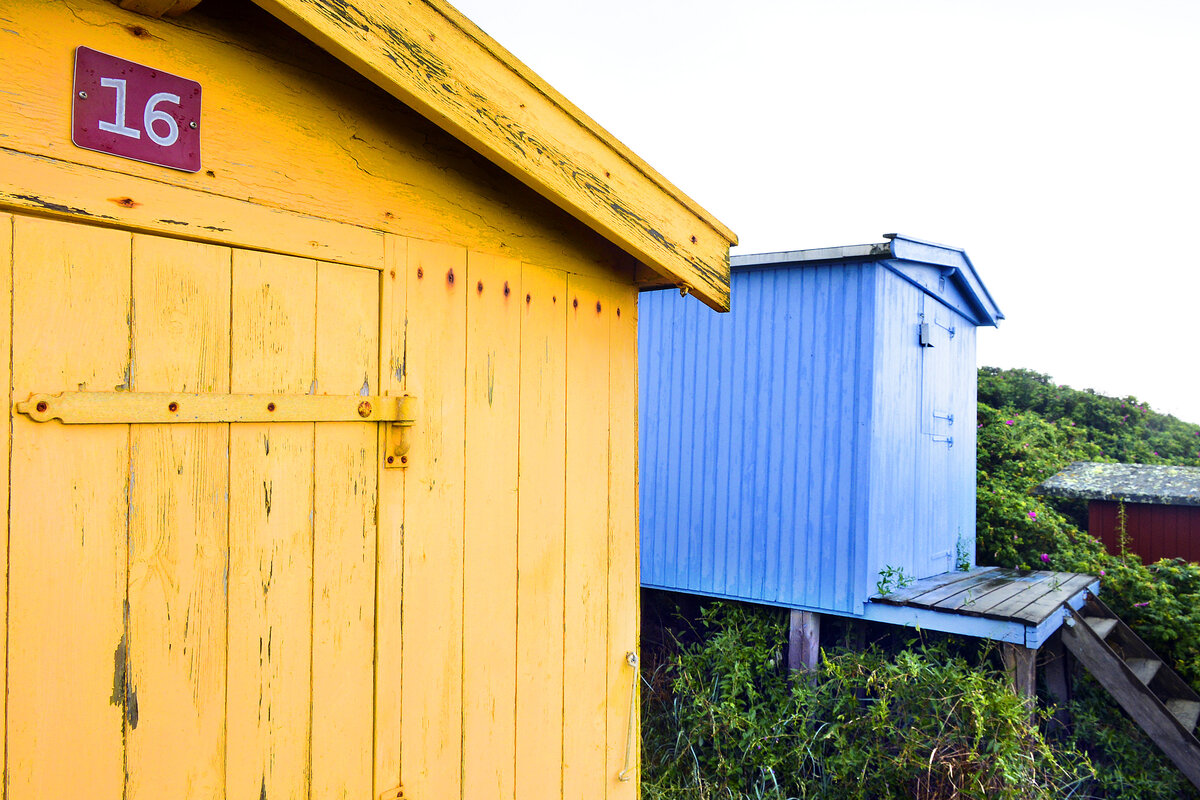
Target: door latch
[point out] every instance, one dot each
(398, 437)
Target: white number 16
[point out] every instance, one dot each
(150, 115)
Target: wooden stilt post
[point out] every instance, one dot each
(804, 641)
(1021, 664)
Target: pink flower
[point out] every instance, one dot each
(1102, 573)
(1045, 558)
(1141, 605)
(1033, 515)
(1008, 422)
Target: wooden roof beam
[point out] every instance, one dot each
(435, 60)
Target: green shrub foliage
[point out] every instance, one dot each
(723, 720)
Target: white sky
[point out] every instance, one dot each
(1056, 141)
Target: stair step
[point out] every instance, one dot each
(1186, 711)
(1101, 625)
(1144, 668)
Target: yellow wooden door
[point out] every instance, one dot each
(262, 609)
(191, 605)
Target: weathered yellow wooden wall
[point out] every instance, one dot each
(249, 610)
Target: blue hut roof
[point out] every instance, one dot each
(927, 265)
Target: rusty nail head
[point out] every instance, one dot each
(597, 306)
(270, 406)
(403, 459)
(364, 409)
(420, 273)
(41, 406)
(506, 289)
(172, 406)
(528, 298)
(450, 276)
(391, 459)
(576, 302)
(479, 286)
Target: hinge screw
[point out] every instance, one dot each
(364, 409)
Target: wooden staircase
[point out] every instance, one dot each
(1157, 699)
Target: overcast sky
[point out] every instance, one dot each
(1057, 142)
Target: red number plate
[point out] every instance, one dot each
(135, 112)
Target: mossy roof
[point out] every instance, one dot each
(1133, 483)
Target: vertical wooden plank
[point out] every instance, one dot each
(67, 684)
(178, 518)
(586, 550)
(623, 566)
(270, 532)
(490, 526)
(6, 226)
(343, 656)
(389, 555)
(431, 729)
(541, 491)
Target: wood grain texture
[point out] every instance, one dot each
(624, 624)
(540, 534)
(586, 610)
(490, 526)
(178, 526)
(270, 531)
(6, 272)
(151, 8)
(343, 649)
(328, 147)
(435, 61)
(431, 734)
(389, 556)
(67, 190)
(67, 546)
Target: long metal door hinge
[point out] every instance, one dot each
(157, 408)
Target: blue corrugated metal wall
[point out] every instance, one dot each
(755, 438)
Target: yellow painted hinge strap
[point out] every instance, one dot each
(100, 408)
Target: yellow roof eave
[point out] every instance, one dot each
(432, 58)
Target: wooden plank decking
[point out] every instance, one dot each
(1008, 595)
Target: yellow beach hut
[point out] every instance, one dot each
(322, 454)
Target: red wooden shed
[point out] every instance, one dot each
(1158, 506)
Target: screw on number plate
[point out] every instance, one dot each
(193, 125)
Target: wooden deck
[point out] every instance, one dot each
(990, 602)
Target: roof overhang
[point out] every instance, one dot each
(436, 61)
(923, 264)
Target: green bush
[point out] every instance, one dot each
(722, 720)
